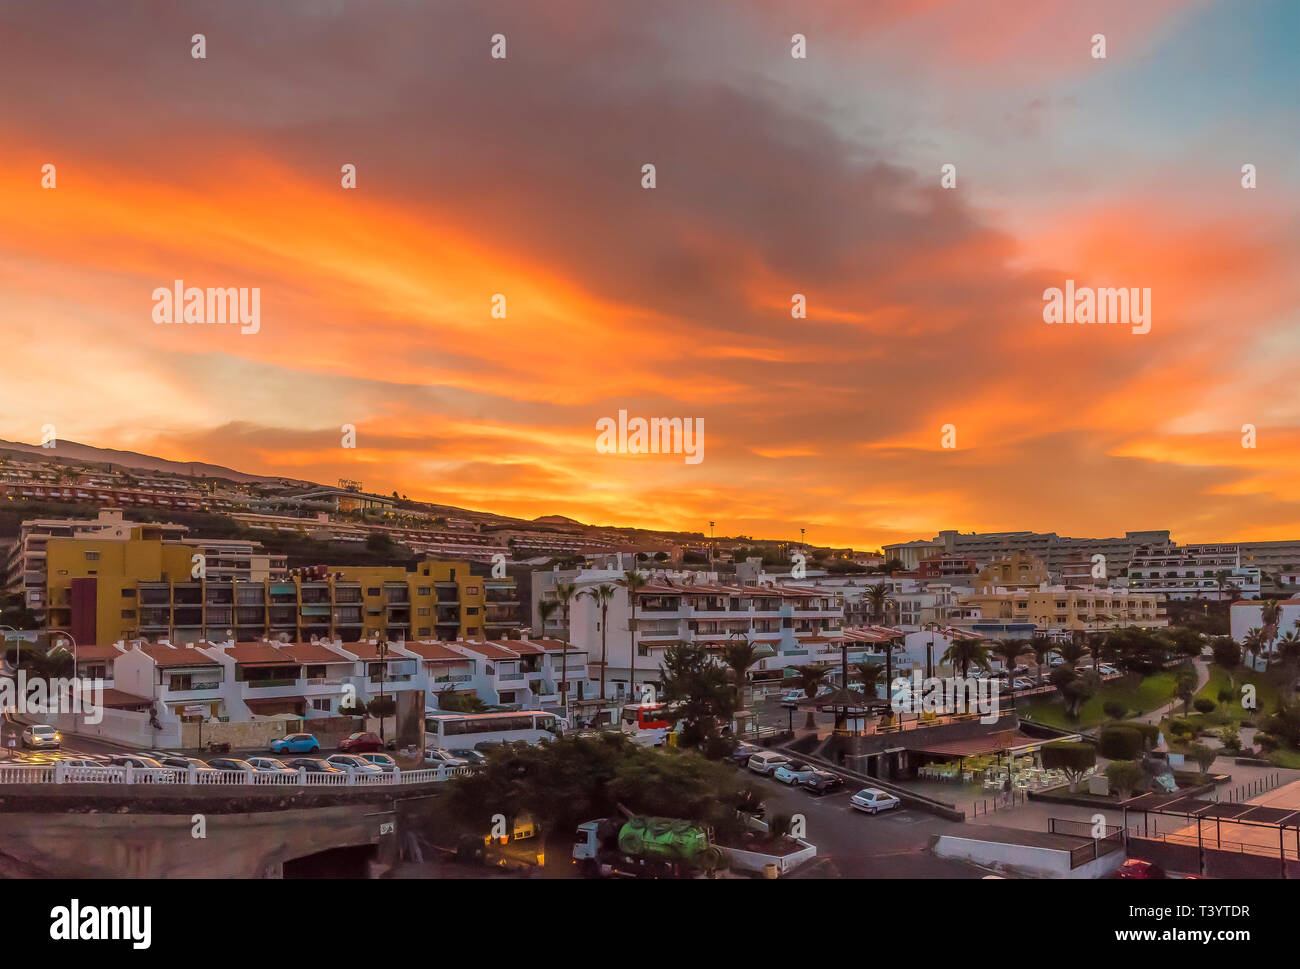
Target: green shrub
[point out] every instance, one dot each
(1124, 777)
(1267, 742)
(1120, 742)
(1204, 704)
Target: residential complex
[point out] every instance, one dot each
(1052, 549)
(1192, 572)
(1057, 609)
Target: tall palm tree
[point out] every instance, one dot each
(965, 652)
(564, 593)
(739, 655)
(810, 681)
(1008, 650)
(869, 674)
(878, 599)
(1270, 613)
(633, 581)
(1253, 643)
(1289, 649)
(546, 608)
(602, 595)
(1043, 649)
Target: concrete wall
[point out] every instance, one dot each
(126, 727)
(111, 845)
(253, 734)
(1024, 859)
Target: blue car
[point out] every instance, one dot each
(295, 743)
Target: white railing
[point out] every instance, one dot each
(60, 773)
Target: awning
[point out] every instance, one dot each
(989, 743)
(266, 706)
(120, 700)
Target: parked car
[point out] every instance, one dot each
(184, 763)
(794, 772)
(766, 762)
(359, 743)
(1137, 868)
(1056, 661)
(821, 782)
(745, 751)
(471, 757)
(270, 765)
(41, 736)
(442, 757)
(134, 760)
(873, 801)
(793, 698)
(295, 743)
(1020, 683)
(230, 763)
(314, 765)
(79, 762)
(383, 761)
(1105, 669)
(352, 763)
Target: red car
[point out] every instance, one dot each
(1137, 868)
(361, 743)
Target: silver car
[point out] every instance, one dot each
(353, 764)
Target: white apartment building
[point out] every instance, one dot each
(1192, 571)
(790, 624)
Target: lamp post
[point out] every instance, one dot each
(382, 650)
(8, 630)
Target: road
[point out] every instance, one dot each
(851, 844)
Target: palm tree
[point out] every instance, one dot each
(1253, 643)
(1043, 649)
(810, 681)
(634, 581)
(965, 652)
(1071, 652)
(880, 601)
(739, 655)
(869, 673)
(1009, 650)
(564, 592)
(602, 595)
(1269, 615)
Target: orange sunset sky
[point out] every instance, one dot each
(776, 176)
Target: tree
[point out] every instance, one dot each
(1185, 686)
(1115, 709)
(1074, 758)
(564, 593)
(869, 674)
(1008, 650)
(964, 652)
(1120, 742)
(810, 681)
(739, 655)
(879, 602)
(602, 595)
(1075, 688)
(1043, 649)
(1269, 614)
(634, 581)
(1204, 704)
(381, 707)
(697, 691)
(1225, 654)
(1253, 643)
(1204, 757)
(1124, 777)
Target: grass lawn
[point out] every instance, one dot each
(1142, 696)
(1265, 694)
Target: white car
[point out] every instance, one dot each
(41, 736)
(383, 761)
(352, 763)
(794, 772)
(873, 801)
(793, 698)
(270, 765)
(766, 762)
(1021, 683)
(442, 757)
(1106, 670)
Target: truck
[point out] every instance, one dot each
(645, 847)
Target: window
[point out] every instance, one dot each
(321, 705)
(471, 610)
(92, 556)
(372, 591)
(424, 631)
(422, 611)
(128, 613)
(472, 590)
(424, 590)
(128, 593)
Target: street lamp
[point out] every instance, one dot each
(381, 650)
(75, 674)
